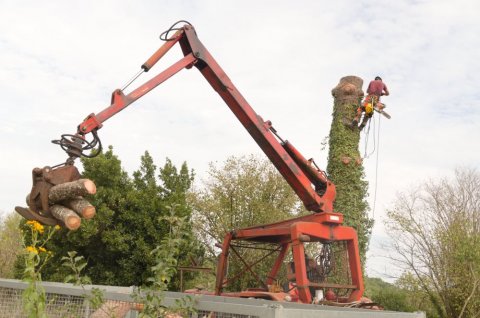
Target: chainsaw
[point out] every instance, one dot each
(379, 109)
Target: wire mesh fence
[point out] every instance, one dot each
(68, 301)
(57, 305)
(65, 300)
(10, 302)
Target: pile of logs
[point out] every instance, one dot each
(67, 204)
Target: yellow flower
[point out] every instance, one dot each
(36, 226)
(39, 228)
(57, 227)
(42, 249)
(31, 249)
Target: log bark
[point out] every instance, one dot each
(71, 220)
(71, 190)
(82, 207)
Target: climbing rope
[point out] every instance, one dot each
(376, 170)
(376, 147)
(367, 135)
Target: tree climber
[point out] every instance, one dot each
(375, 89)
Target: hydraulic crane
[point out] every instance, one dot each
(308, 181)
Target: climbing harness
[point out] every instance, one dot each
(368, 108)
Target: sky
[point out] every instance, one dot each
(61, 60)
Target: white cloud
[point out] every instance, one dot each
(60, 61)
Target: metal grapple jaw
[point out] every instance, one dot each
(68, 204)
(37, 201)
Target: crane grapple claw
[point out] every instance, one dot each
(35, 216)
(43, 179)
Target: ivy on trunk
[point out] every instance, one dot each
(345, 167)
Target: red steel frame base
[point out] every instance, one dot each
(321, 227)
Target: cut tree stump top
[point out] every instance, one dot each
(349, 88)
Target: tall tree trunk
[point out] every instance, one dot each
(345, 163)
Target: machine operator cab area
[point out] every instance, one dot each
(318, 267)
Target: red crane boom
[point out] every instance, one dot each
(309, 182)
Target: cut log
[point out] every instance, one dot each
(71, 220)
(82, 207)
(71, 190)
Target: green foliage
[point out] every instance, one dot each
(166, 260)
(76, 264)
(404, 295)
(436, 236)
(418, 297)
(10, 243)
(35, 258)
(387, 295)
(128, 225)
(352, 189)
(242, 192)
